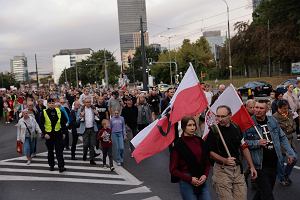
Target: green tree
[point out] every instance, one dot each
(7, 80)
(92, 70)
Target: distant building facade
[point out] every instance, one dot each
(67, 58)
(215, 41)
(19, 68)
(129, 13)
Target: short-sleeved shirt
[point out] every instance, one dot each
(233, 139)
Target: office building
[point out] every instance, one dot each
(67, 58)
(215, 41)
(19, 68)
(129, 13)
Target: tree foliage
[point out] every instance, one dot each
(250, 46)
(7, 80)
(92, 70)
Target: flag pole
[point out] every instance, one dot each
(221, 136)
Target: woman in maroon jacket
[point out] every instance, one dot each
(189, 163)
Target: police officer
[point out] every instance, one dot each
(53, 121)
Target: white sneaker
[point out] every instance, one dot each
(119, 164)
(28, 162)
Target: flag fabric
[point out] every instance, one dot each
(189, 99)
(240, 116)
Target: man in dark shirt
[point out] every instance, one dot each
(52, 132)
(153, 101)
(165, 102)
(228, 179)
(102, 110)
(130, 114)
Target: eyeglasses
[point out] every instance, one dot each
(222, 116)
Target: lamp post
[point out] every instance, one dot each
(229, 48)
(170, 62)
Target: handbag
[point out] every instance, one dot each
(19, 147)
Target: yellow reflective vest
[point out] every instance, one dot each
(48, 126)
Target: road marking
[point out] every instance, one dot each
(153, 198)
(38, 171)
(142, 189)
(59, 179)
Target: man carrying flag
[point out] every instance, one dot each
(189, 99)
(226, 146)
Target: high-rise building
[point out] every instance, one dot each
(255, 4)
(67, 58)
(19, 68)
(129, 13)
(215, 41)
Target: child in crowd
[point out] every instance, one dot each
(104, 136)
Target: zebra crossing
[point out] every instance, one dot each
(78, 171)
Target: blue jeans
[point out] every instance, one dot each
(28, 146)
(118, 146)
(187, 192)
(285, 171)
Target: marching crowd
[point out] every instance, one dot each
(106, 119)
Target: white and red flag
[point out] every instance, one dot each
(240, 116)
(189, 99)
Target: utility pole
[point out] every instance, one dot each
(76, 70)
(105, 70)
(37, 73)
(143, 53)
(66, 79)
(229, 48)
(269, 49)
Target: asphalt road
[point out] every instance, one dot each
(149, 180)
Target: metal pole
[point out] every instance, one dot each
(76, 75)
(269, 49)
(105, 70)
(66, 79)
(37, 73)
(143, 53)
(170, 61)
(229, 48)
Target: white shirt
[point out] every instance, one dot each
(89, 117)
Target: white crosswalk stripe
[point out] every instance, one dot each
(78, 171)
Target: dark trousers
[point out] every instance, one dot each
(297, 126)
(89, 142)
(74, 142)
(133, 128)
(66, 140)
(107, 151)
(265, 182)
(55, 142)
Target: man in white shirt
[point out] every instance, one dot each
(89, 129)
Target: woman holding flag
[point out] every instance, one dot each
(189, 163)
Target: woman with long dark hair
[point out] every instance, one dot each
(189, 163)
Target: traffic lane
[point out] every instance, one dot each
(154, 171)
(12, 190)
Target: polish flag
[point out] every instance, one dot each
(189, 99)
(240, 115)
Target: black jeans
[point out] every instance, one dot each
(74, 142)
(55, 142)
(265, 181)
(66, 140)
(107, 151)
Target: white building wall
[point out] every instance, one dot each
(60, 62)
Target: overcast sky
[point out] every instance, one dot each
(46, 26)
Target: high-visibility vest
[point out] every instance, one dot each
(48, 126)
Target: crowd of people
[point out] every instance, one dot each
(106, 119)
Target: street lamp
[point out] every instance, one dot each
(229, 49)
(170, 63)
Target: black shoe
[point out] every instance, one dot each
(62, 169)
(84, 158)
(92, 162)
(112, 169)
(97, 154)
(51, 168)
